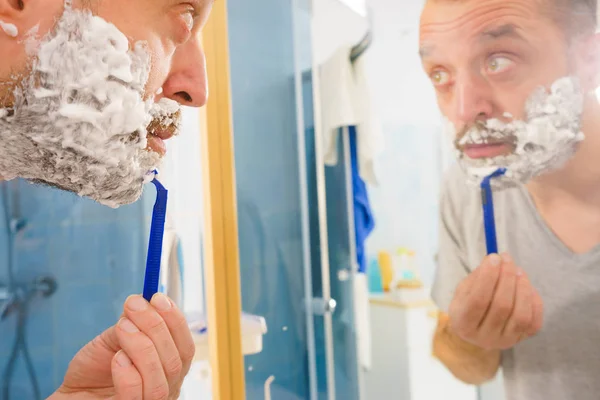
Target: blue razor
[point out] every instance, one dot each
(487, 201)
(155, 243)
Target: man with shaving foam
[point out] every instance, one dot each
(89, 91)
(516, 80)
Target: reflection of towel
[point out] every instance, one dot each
(171, 269)
(363, 320)
(345, 100)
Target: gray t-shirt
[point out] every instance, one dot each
(563, 361)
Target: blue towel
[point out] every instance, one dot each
(364, 223)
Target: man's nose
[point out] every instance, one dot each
(473, 100)
(187, 82)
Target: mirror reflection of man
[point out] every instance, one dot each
(516, 81)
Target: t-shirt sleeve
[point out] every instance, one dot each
(451, 259)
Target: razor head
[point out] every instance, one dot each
(486, 181)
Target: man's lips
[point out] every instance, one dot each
(156, 140)
(490, 150)
(156, 145)
(485, 145)
(164, 134)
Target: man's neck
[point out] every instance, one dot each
(569, 199)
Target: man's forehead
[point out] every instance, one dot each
(474, 15)
(496, 30)
(478, 20)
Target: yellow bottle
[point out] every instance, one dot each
(387, 272)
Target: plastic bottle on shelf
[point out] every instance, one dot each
(374, 277)
(386, 269)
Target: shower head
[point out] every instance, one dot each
(45, 285)
(6, 300)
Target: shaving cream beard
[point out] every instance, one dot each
(545, 141)
(79, 120)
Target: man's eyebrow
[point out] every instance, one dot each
(426, 50)
(200, 7)
(198, 4)
(499, 32)
(502, 31)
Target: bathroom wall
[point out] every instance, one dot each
(358, 6)
(410, 167)
(181, 173)
(337, 24)
(97, 256)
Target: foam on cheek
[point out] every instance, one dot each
(79, 122)
(545, 141)
(31, 40)
(9, 29)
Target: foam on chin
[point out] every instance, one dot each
(545, 141)
(79, 120)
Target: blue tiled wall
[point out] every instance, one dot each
(261, 40)
(97, 256)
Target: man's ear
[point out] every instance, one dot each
(27, 14)
(10, 11)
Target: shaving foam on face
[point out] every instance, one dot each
(166, 114)
(79, 120)
(543, 142)
(9, 29)
(32, 41)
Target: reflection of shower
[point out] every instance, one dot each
(16, 297)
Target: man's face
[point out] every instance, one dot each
(87, 100)
(488, 61)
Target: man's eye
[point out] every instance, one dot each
(496, 65)
(188, 18)
(440, 78)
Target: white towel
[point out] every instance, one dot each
(363, 320)
(170, 270)
(346, 101)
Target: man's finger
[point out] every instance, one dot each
(148, 319)
(503, 301)
(479, 299)
(126, 378)
(522, 315)
(142, 352)
(179, 329)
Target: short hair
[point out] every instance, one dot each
(575, 16)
